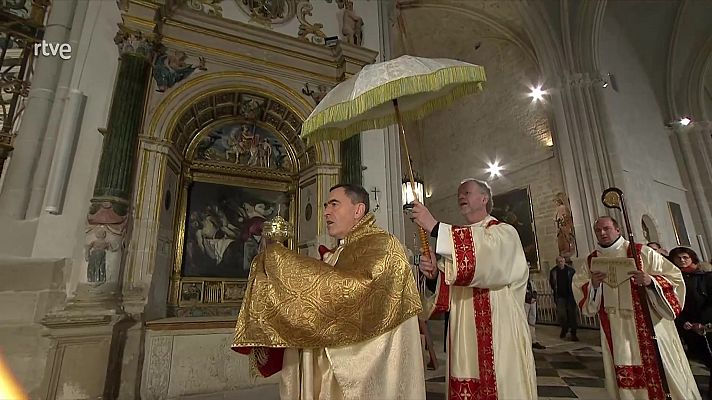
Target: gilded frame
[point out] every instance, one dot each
(515, 208)
(221, 296)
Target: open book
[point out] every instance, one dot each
(617, 269)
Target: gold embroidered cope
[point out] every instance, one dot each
(297, 301)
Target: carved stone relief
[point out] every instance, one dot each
(316, 95)
(269, 12)
(134, 42)
(251, 107)
(210, 7)
(308, 31)
(170, 67)
(351, 25)
(158, 373)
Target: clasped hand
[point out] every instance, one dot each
(428, 265)
(696, 327)
(640, 278)
(422, 216)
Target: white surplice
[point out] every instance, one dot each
(629, 356)
(482, 282)
(388, 367)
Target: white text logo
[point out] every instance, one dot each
(63, 50)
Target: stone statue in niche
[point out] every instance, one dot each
(170, 67)
(351, 25)
(100, 253)
(565, 235)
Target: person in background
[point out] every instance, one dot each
(530, 311)
(630, 358)
(657, 247)
(560, 279)
(697, 311)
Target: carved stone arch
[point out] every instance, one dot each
(696, 84)
(589, 22)
(249, 105)
(161, 122)
(688, 65)
(649, 223)
(543, 39)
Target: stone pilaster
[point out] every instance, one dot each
(107, 219)
(585, 155)
(351, 168)
(88, 336)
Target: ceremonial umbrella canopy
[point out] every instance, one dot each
(400, 90)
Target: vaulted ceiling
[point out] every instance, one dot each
(672, 39)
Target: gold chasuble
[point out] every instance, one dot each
(629, 356)
(482, 282)
(342, 328)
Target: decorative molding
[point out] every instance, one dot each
(134, 42)
(250, 107)
(584, 80)
(159, 370)
(269, 12)
(307, 31)
(209, 7)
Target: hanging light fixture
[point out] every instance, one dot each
(408, 192)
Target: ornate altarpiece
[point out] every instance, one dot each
(240, 169)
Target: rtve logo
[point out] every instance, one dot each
(63, 50)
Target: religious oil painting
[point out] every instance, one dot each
(678, 224)
(515, 208)
(223, 228)
(244, 145)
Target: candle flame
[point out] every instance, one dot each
(9, 387)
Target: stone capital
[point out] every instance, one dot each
(136, 43)
(584, 79)
(694, 129)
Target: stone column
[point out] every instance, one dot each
(108, 212)
(88, 336)
(583, 152)
(17, 186)
(695, 143)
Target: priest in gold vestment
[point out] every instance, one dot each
(342, 328)
(482, 281)
(629, 355)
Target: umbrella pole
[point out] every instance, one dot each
(424, 243)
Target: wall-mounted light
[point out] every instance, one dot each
(609, 81)
(537, 93)
(683, 121)
(494, 169)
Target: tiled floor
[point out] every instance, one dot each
(565, 370)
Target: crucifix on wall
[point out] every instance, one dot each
(375, 192)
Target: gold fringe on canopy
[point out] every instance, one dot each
(466, 79)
